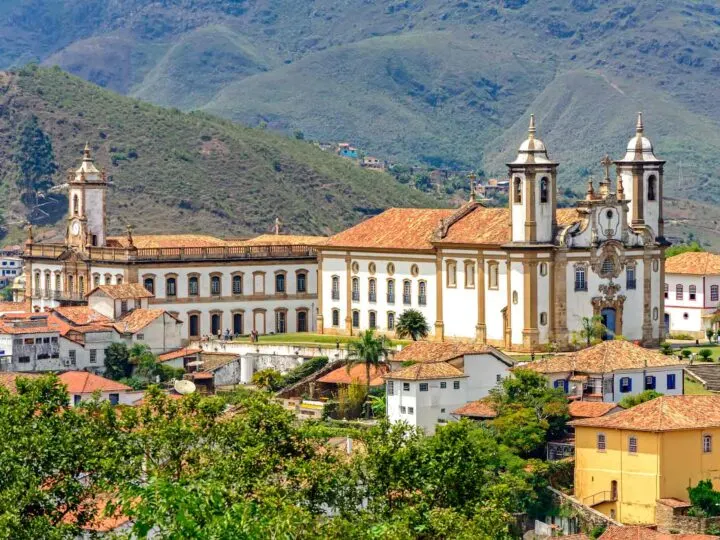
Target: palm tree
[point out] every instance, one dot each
(412, 323)
(370, 350)
(592, 328)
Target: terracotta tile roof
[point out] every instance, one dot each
(100, 522)
(482, 408)
(80, 315)
(579, 536)
(137, 319)
(28, 323)
(675, 503)
(613, 532)
(171, 395)
(180, 353)
(590, 409)
(200, 375)
(212, 360)
(442, 351)
(281, 240)
(603, 358)
(698, 263)
(124, 291)
(8, 380)
(666, 413)
(12, 307)
(396, 228)
(169, 241)
(426, 371)
(356, 373)
(83, 382)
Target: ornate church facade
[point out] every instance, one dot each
(521, 277)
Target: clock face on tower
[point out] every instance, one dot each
(75, 228)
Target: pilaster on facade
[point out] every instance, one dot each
(558, 304)
(439, 334)
(530, 332)
(348, 295)
(647, 328)
(481, 327)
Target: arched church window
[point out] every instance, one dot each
(493, 275)
(451, 273)
(149, 284)
(544, 190)
(76, 205)
(514, 297)
(580, 278)
(170, 286)
(652, 187)
(517, 191)
(469, 274)
(355, 289)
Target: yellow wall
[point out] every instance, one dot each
(664, 466)
(684, 463)
(636, 474)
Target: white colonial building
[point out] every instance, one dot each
(692, 293)
(442, 377)
(519, 278)
(212, 285)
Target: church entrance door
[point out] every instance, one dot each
(608, 320)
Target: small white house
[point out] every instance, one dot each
(611, 371)
(82, 385)
(442, 377)
(692, 292)
(114, 301)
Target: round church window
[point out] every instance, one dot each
(543, 269)
(355, 267)
(390, 269)
(415, 270)
(371, 268)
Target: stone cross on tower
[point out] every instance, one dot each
(277, 225)
(605, 184)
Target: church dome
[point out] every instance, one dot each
(639, 148)
(532, 150)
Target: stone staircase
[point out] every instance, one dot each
(707, 373)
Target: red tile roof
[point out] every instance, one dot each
(80, 315)
(603, 358)
(442, 351)
(169, 241)
(12, 307)
(590, 409)
(180, 353)
(8, 380)
(396, 228)
(281, 240)
(357, 374)
(83, 382)
(426, 371)
(666, 413)
(614, 532)
(137, 319)
(482, 408)
(124, 291)
(28, 323)
(697, 263)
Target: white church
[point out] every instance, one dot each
(520, 278)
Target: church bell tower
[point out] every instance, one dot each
(532, 196)
(87, 213)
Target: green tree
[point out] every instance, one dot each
(35, 159)
(412, 324)
(268, 379)
(529, 411)
(630, 401)
(592, 329)
(370, 350)
(705, 500)
(705, 354)
(117, 362)
(677, 249)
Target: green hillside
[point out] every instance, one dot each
(173, 171)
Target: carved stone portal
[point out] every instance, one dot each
(610, 299)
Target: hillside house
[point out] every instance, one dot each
(82, 385)
(611, 371)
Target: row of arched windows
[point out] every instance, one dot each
(237, 324)
(372, 319)
(692, 292)
(236, 284)
(44, 284)
(407, 290)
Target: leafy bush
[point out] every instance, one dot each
(705, 354)
(666, 348)
(631, 401)
(303, 370)
(267, 379)
(681, 337)
(704, 499)
(686, 353)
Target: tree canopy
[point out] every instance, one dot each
(244, 467)
(412, 324)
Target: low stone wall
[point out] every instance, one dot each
(275, 349)
(671, 517)
(588, 517)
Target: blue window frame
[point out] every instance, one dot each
(670, 381)
(625, 385)
(561, 383)
(649, 382)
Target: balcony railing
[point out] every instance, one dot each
(53, 251)
(372, 297)
(600, 497)
(390, 298)
(60, 296)
(336, 295)
(422, 300)
(407, 300)
(355, 296)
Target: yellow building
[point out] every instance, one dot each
(625, 462)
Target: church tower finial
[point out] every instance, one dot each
(531, 127)
(473, 180)
(639, 127)
(86, 152)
